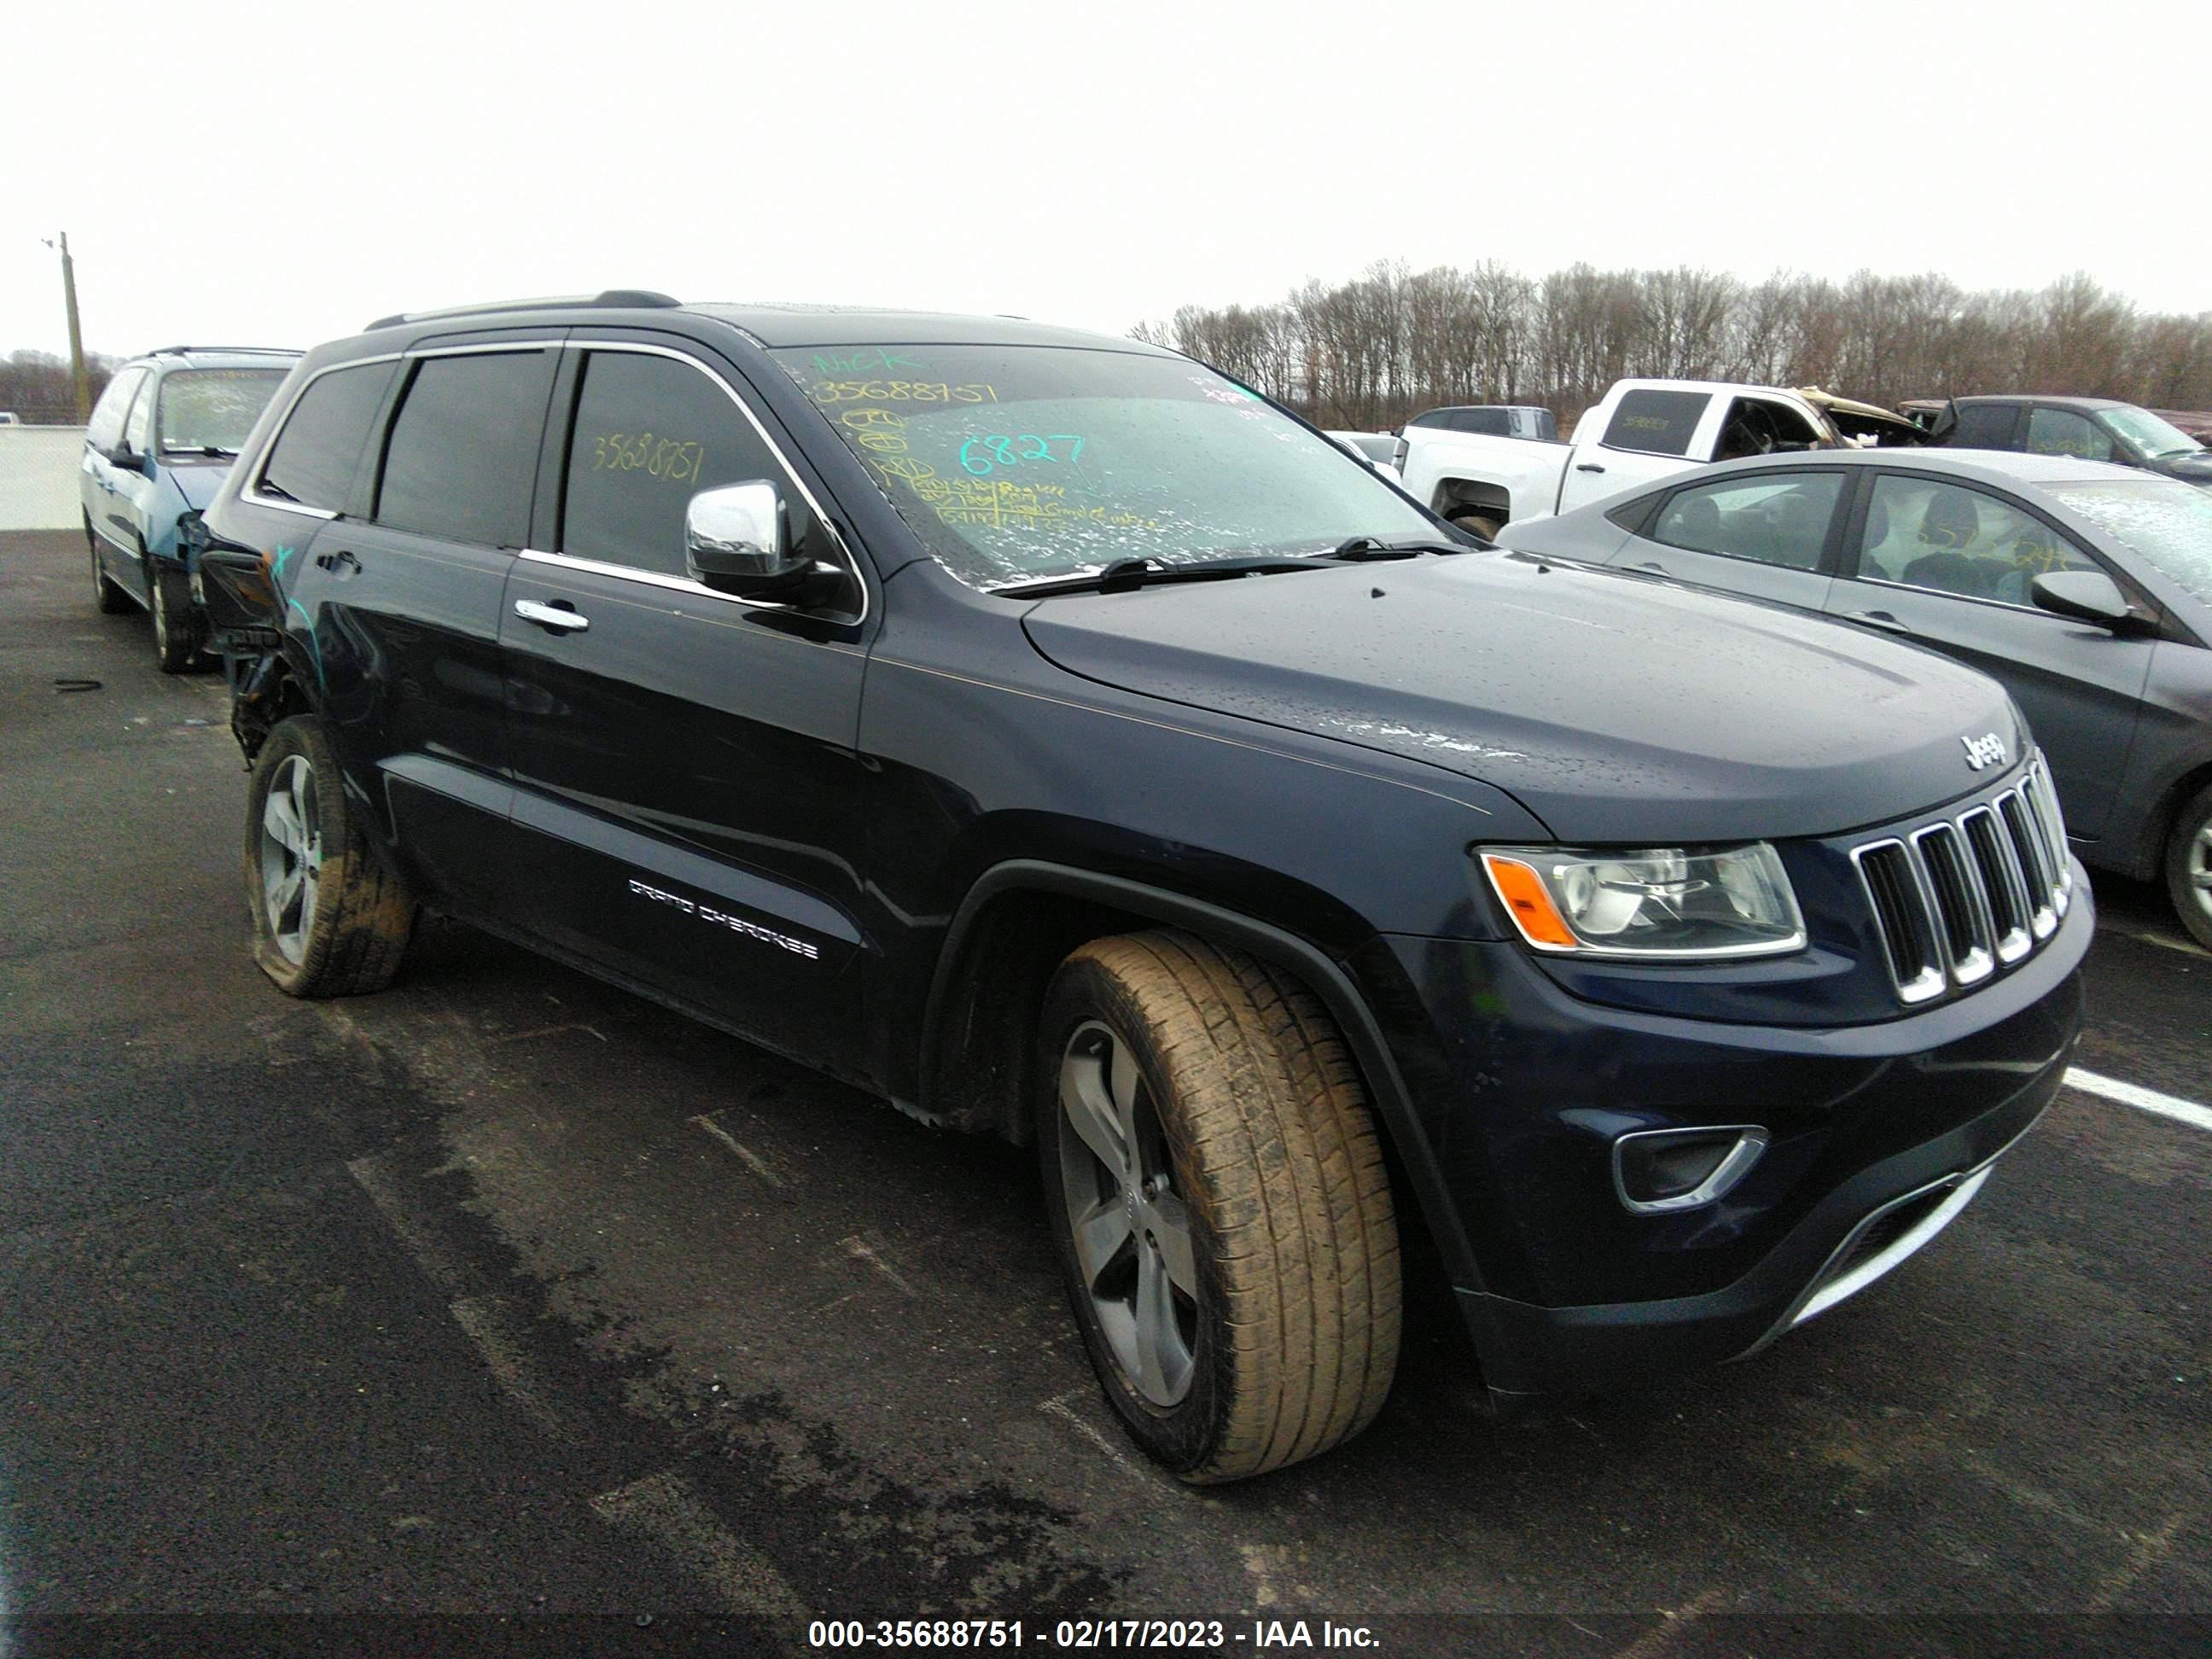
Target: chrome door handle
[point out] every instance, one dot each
(551, 616)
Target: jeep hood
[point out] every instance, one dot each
(1618, 707)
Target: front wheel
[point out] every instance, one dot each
(1219, 1198)
(2188, 866)
(176, 620)
(329, 920)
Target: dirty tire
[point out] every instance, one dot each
(110, 600)
(1256, 1129)
(177, 629)
(350, 939)
(1477, 524)
(2188, 866)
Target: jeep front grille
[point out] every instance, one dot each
(1956, 900)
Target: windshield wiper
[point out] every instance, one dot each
(1125, 575)
(1360, 549)
(216, 450)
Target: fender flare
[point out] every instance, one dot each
(1318, 971)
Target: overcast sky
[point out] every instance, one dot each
(263, 174)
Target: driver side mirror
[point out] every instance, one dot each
(126, 458)
(2088, 596)
(737, 540)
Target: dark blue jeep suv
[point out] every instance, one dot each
(1052, 737)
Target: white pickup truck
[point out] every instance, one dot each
(1641, 430)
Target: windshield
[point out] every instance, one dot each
(213, 408)
(1017, 463)
(2169, 523)
(2155, 438)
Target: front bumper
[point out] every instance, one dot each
(1876, 1129)
(1838, 1250)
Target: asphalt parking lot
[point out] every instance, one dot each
(507, 1300)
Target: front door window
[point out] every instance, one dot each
(1947, 539)
(2063, 432)
(650, 432)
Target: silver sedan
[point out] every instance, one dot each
(2085, 588)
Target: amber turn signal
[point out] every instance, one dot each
(1523, 891)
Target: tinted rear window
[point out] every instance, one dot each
(317, 456)
(1985, 426)
(463, 458)
(1656, 422)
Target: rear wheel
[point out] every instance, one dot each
(2188, 866)
(1218, 1194)
(329, 920)
(109, 599)
(176, 621)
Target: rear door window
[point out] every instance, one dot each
(1776, 520)
(650, 432)
(1985, 426)
(317, 457)
(463, 455)
(1656, 422)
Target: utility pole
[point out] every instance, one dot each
(78, 383)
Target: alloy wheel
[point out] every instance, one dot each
(1130, 1226)
(291, 856)
(2198, 869)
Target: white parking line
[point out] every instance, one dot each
(2164, 941)
(751, 1159)
(667, 1508)
(2143, 1100)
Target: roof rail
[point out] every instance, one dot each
(643, 299)
(179, 350)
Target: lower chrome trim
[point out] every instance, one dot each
(1820, 1294)
(1751, 1139)
(1874, 1267)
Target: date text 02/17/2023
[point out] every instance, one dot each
(1197, 1636)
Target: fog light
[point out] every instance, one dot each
(1658, 1171)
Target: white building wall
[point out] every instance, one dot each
(38, 477)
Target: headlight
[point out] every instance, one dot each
(1657, 901)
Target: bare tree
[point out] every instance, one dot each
(1390, 341)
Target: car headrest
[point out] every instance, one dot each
(1950, 519)
(1697, 521)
